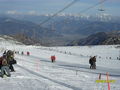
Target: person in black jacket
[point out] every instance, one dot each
(91, 62)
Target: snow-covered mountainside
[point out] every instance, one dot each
(69, 72)
(101, 38)
(37, 18)
(7, 40)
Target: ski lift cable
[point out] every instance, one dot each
(67, 6)
(93, 6)
(70, 4)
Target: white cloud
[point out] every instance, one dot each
(32, 12)
(13, 12)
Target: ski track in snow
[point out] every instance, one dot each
(41, 76)
(38, 73)
(30, 80)
(78, 67)
(45, 77)
(63, 65)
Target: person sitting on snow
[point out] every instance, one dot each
(5, 68)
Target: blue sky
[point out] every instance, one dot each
(51, 6)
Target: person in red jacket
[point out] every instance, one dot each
(53, 58)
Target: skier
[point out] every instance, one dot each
(10, 60)
(53, 58)
(5, 68)
(22, 53)
(28, 53)
(91, 62)
(94, 62)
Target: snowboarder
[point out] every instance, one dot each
(53, 58)
(5, 68)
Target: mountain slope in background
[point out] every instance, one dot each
(75, 23)
(12, 26)
(33, 32)
(101, 38)
(8, 40)
(61, 30)
(85, 27)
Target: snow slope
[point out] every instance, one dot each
(69, 72)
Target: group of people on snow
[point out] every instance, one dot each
(27, 53)
(7, 60)
(92, 62)
(6, 63)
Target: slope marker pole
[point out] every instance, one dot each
(100, 76)
(107, 74)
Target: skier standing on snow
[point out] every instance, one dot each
(22, 53)
(91, 63)
(53, 58)
(94, 62)
(10, 59)
(28, 53)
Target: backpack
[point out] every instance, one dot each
(91, 61)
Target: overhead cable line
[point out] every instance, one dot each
(70, 4)
(67, 6)
(93, 6)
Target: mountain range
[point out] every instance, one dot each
(101, 38)
(61, 30)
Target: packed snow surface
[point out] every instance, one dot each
(70, 71)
